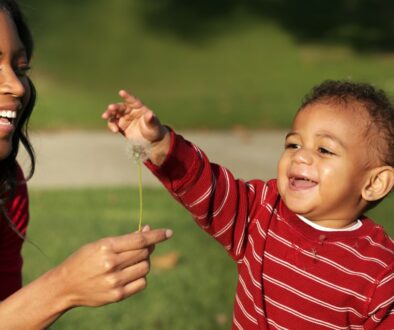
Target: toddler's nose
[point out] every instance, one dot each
(304, 156)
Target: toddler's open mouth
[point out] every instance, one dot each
(300, 182)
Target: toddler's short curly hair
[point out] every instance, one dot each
(374, 101)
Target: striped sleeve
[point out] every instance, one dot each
(218, 203)
(381, 315)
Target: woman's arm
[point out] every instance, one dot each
(106, 271)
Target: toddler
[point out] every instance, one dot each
(306, 255)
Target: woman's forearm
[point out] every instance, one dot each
(35, 306)
(106, 271)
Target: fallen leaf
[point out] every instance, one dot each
(166, 261)
(221, 319)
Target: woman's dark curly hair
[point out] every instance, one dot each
(8, 166)
(373, 101)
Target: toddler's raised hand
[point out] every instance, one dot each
(133, 119)
(139, 124)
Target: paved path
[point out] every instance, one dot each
(96, 159)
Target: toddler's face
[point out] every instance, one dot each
(325, 164)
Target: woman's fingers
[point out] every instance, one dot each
(129, 258)
(140, 240)
(133, 287)
(128, 281)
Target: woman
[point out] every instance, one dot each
(102, 272)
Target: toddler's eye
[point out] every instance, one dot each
(292, 146)
(325, 151)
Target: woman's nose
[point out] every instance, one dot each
(304, 156)
(10, 83)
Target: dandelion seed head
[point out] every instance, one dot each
(137, 150)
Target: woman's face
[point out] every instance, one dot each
(14, 85)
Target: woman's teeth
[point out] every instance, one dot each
(8, 115)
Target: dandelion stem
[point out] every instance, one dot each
(140, 194)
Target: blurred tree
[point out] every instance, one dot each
(366, 25)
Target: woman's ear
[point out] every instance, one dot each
(380, 182)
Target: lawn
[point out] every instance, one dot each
(196, 293)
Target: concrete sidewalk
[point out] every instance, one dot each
(97, 159)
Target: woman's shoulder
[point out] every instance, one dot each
(18, 206)
(20, 176)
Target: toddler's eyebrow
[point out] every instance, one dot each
(290, 134)
(321, 135)
(332, 138)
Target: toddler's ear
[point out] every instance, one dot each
(379, 184)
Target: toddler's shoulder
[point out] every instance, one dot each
(378, 242)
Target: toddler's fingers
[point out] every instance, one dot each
(130, 99)
(116, 110)
(151, 119)
(113, 127)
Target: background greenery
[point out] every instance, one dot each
(202, 64)
(207, 64)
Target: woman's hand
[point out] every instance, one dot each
(106, 271)
(110, 269)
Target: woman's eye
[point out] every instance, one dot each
(22, 70)
(325, 151)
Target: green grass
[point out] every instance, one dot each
(248, 72)
(193, 295)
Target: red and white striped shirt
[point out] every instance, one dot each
(290, 275)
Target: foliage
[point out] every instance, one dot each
(197, 64)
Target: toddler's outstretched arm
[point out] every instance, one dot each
(138, 123)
